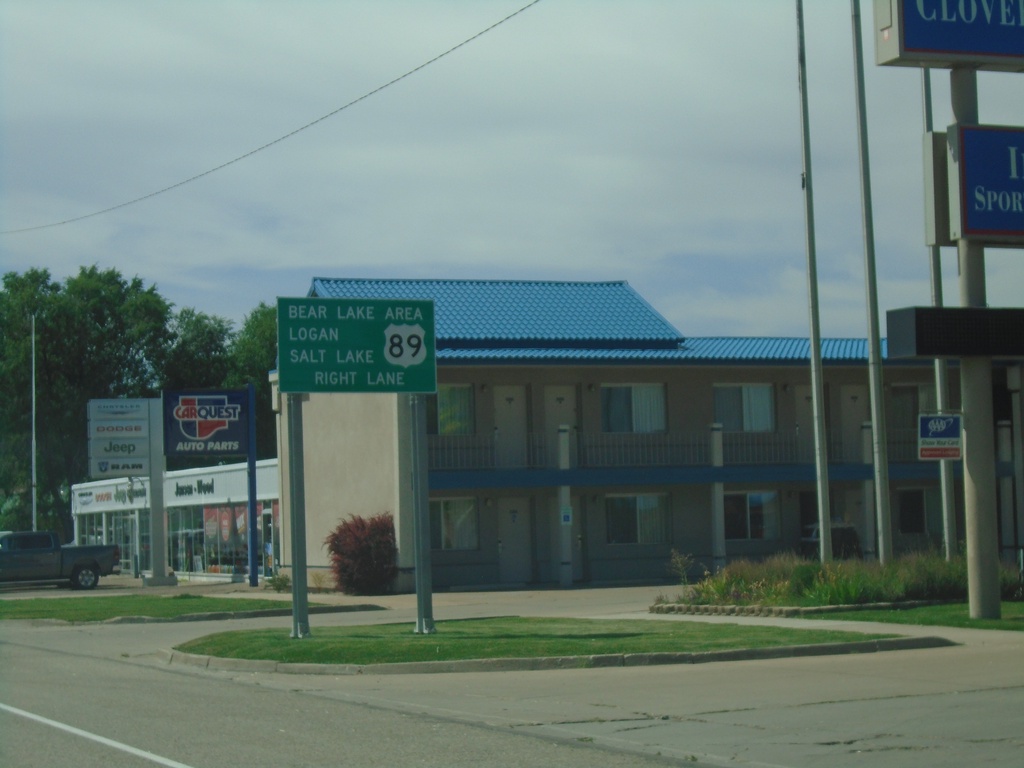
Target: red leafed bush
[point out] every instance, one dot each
(363, 554)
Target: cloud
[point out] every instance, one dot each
(656, 142)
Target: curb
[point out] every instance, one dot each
(785, 612)
(555, 662)
(226, 615)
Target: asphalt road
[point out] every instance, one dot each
(940, 707)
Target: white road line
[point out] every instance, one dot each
(94, 737)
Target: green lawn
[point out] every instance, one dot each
(949, 615)
(88, 608)
(502, 638)
(476, 639)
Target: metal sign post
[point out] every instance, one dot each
(421, 518)
(297, 496)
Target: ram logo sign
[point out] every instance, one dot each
(205, 423)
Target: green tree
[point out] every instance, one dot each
(253, 355)
(97, 336)
(198, 356)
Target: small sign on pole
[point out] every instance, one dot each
(939, 436)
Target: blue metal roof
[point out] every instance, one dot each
(774, 349)
(693, 351)
(518, 322)
(515, 313)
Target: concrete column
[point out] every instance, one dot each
(157, 508)
(981, 526)
(870, 543)
(1004, 448)
(980, 515)
(564, 511)
(718, 551)
(1013, 383)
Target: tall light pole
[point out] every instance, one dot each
(880, 451)
(817, 387)
(941, 368)
(34, 491)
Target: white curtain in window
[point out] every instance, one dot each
(651, 519)
(616, 409)
(769, 503)
(455, 410)
(729, 408)
(758, 413)
(648, 408)
(459, 524)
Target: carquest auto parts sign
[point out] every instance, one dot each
(205, 422)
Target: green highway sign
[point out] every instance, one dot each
(356, 345)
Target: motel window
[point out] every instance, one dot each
(752, 515)
(912, 511)
(639, 519)
(632, 408)
(745, 407)
(454, 524)
(450, 411)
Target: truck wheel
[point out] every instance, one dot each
(85, 577)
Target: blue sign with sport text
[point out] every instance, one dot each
(964, 27)
(991, 166)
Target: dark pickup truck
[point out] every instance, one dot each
(38, 556)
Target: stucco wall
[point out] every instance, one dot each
(355, 464)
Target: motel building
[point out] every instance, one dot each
(577, 437)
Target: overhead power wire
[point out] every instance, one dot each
(278, 140)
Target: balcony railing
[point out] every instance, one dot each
(902, 444)
(448, 452)
(659, 449)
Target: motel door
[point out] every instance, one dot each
(510, 426)
(559, 408)
(855, 410)
(515, 565)
(805, 422)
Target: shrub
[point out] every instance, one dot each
(680, 566)
(363, 554)
(279, 582)
(783, 579)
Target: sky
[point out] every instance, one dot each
(652, 141)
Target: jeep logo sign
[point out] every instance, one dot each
(119, 448)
